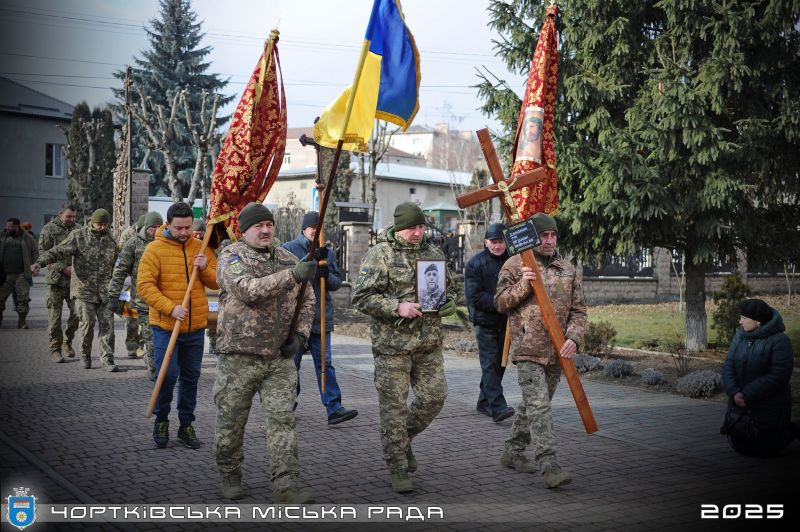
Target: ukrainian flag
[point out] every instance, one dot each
(387, 83)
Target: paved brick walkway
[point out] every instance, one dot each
(78, 436)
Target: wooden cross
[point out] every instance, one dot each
(502, 188)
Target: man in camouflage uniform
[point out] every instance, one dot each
(259, 290)
(532, 351)
(18, 251)
(58, 281)
(128, 265)
(93, 252)
(133, 337)
(406, 343)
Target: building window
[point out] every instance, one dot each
(441, 193)
(412, 190)
(287, 158)
(54, 160)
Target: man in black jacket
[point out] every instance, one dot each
(480, 280)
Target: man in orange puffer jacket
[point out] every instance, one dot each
(163, 277)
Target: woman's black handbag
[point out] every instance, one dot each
(741, 427)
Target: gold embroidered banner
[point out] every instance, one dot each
(252, 154)
(534, 141)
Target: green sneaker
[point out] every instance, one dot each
(555, 477)
(412, 460)
(517, 461)
(188, 437)
(161, 433)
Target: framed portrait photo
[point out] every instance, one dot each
(431, 284)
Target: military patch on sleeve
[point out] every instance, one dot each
(236, 264)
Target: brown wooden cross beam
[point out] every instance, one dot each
(502, 188)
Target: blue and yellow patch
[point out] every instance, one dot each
(236, 265)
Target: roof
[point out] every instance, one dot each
(441, 206)
(19, 99)
(417, 129)
(297, 132)
(394, 172)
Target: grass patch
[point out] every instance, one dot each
(653, 326)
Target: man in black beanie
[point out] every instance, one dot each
(332, 398)
(480, 280)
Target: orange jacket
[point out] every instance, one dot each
(163, 276)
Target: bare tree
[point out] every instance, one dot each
(160, 130)
(203, 136)
(377, 148)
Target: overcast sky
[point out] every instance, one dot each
(68, 49)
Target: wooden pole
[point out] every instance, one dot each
(506, 344)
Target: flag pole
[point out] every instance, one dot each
(323, 205)
(265, 64)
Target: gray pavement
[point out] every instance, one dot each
(76, 436)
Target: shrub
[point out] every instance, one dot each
(680, 356)
(599, 338)
(702, 383)
(726, 317)
(584, 363)
(619, 368)
(465, 345)
(651, 377)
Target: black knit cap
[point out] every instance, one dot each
(494, 231)
(755, 309)
(310, 220)
(252, 214)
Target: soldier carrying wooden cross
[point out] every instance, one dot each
(541, 274)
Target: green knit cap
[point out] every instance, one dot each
(101, 216)
(544, 222)
(252, 214)
(152, 218)
(140, 222)
(407, 214)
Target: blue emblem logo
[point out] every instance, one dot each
(21, 508)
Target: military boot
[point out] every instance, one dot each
(293, 496)
(400, 481)
(412, 460)
(188, 437)
(21, 324)
(232, 486)
(161, 433)
(110, 366)
(517, 461)
(87, 361)
(555, 477)
(68, 350)
(56, 357)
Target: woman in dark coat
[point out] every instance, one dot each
(756, 375)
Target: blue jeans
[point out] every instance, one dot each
(332, 398)
(490, 352)
(184, 368)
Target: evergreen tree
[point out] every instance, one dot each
(91, 157)
(677, 125)
(174, 61)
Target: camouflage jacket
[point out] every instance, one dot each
(258, 295)
(530, 340)
(93, 256)
(128, 264)
(126, 235)
(53, 234)
(386, 279)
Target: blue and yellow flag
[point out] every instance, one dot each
(386, 81)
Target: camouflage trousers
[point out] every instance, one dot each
(146, 335)
(534, 420)
(87, 314)
(17, 285)
(133, 338)
(56, 297)
(239, 377)
(424, 373)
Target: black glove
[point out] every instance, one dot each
(323, 271)
(447, 309)
(304, 271)
(290, 348)
(321, 253)
(114, 305)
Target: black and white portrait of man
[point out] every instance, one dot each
(430, 284)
